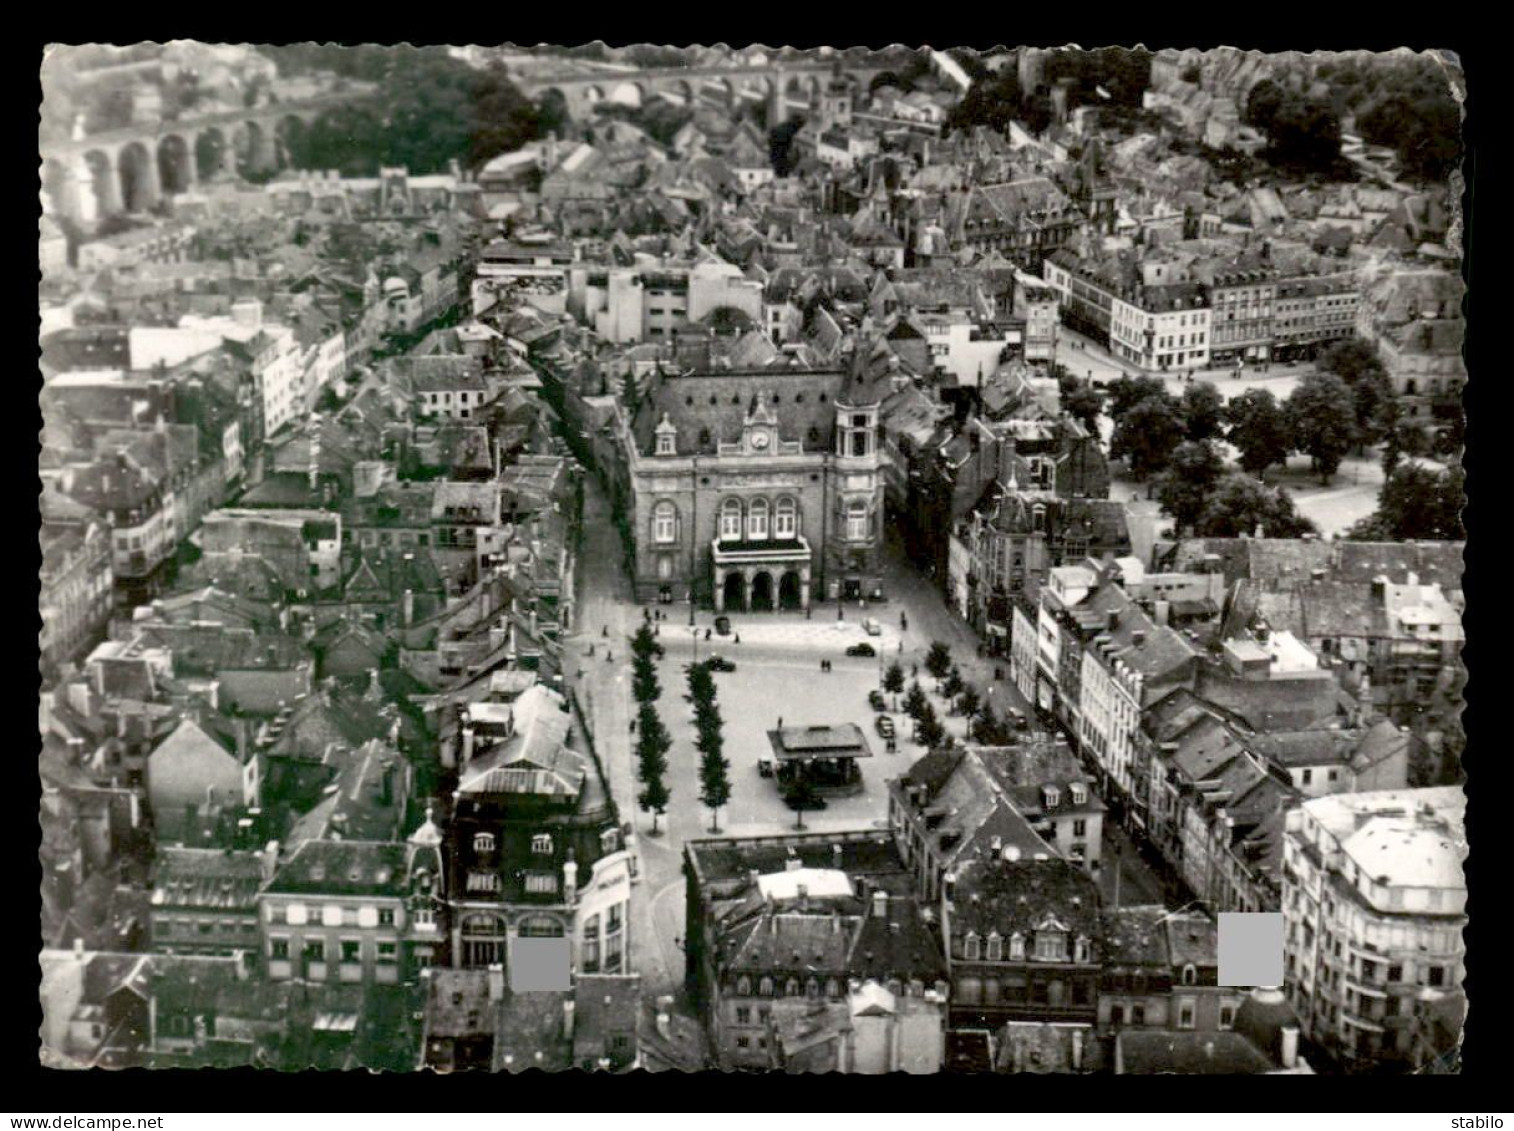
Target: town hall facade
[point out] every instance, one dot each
(756, 489)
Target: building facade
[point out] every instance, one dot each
(756, 489)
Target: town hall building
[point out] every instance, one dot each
(756, 488)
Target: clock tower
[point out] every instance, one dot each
(759, 432)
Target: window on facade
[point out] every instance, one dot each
(786, 519)
(1017, 947)
(730, 519)
(743, 985)
(278, 949)
(541, 844)
(352, 950)
(315, 950)
(765, 987)
(1080, 950)
(856, 521)
(743, 1015)
(970, 946)
(386, 917)
(1080, 827)
(1227, 1015)
(1185, 1014)
(317, 916)
(541, 883)
(664, 522)
(791, 988)
(1190, 975)
(757, 520)
(483, 843)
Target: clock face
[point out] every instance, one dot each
(759, 440)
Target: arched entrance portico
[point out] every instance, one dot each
(762, 592)
(790, 591)
(733, 592)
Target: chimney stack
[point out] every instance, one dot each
(1289, 1052)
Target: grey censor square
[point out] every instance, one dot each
(542, 964)
(1251, 948)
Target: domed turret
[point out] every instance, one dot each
(1268, 1021)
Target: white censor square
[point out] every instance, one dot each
(1251, 948)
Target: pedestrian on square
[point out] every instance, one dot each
(903, 621)
(736, 639)
(608, 658)
(604, 630)
(706, 634)
(633, 726)
(646, 615)
(780, 722)
(591, 649)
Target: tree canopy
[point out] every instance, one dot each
(1146, 435)
(1417, 503)
(429, 109)
(1203, 410)
(1258, 429)
(1240, 505)
(1322, 421)
(1185, 488)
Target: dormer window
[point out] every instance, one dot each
(665, 444)
(1017, 947)
(1051, 946)
(1190, 975)
(1052, 796)
(995, 947)
(483, 843)
(541, 844)
(970, 946)
(1080, 950)
(1079, 793)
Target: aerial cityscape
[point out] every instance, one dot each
(790, 560)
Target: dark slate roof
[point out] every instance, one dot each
(716, 405)
(342, 867)
(1019, 895)
(1188, 1053)
(207, 878)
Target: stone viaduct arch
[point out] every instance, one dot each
(134, 169)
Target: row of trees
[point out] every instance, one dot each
(652, 739)
(714, 767)
(1348, 404)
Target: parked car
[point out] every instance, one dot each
(876, 701)
(863, 649)
(885, 726)
(765, 766)
(719, 664)
(872, 627)
(814, 801)
(1017, 716)
(723, 625)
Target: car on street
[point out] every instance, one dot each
(720, 664)
(1017, 717)
(872, 627)
(863, 649)
(723, 625)
(876, 701)
(795, 801)
(885, 726)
